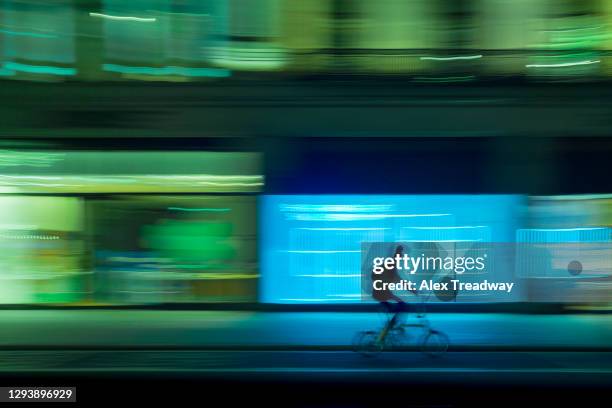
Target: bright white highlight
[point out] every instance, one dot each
(464, 57)
(567, 64)
(124, 18)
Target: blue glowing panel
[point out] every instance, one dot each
(310, 244)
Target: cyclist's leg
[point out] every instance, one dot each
(402, 309)
(399, 308)
(389, 309)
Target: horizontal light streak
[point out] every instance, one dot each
(327, 275)
(565, 64)
(460, 57)
(448, 228)
(306, 251)
(124, 18)
(199, 209)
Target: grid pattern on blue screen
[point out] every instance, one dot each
(327, 257)
(564, 253)
(456, 240)
(310, 249)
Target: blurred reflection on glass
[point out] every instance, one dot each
(505, 30)
(129, 172)
(37, 39)
(570, 211)
(437, 41)
(568, 38)
(85, 249)
(254, 36)
(162, 39)
(161, 249)
(566, 253)
(306, 33)
(43, 250)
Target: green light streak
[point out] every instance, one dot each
(200, 209)
(560, 65)
(39, 69)
(6, 72)
(169, 70)
(124, 18)
(447, 79)
(27, 34)
(466, 57)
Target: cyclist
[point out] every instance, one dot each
(392, 303)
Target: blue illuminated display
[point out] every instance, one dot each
(310, 244)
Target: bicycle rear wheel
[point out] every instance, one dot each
(435, 343)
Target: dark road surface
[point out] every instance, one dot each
(491, 366)
(246, 330)
(316, 378)
(151, 355)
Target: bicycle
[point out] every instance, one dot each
(433, 342)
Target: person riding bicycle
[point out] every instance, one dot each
(392, 303)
